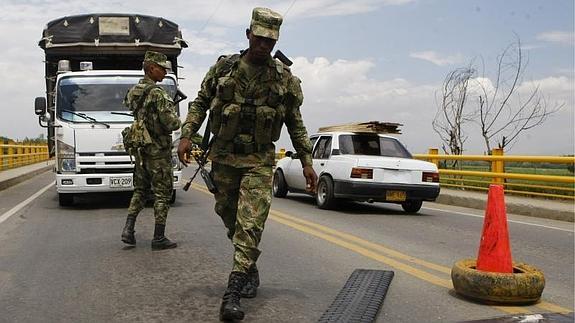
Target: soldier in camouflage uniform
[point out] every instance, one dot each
(250, 96)
(153, 167)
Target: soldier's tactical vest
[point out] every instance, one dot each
(233, 114)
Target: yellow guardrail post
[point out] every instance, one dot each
(497, 166)
(10, 156)
(433, 151)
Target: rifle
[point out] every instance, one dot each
(281, 56)
(202, 160)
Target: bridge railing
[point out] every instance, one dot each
(543, 176)
(13, 154)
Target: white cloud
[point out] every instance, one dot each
(208, 46)
(342, 91)
(562, 37)
(436, 58)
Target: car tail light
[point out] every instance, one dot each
(430, 177)
(365, 173)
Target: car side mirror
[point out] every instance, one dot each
(288, 153)
(40, 106)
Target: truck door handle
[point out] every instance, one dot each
(321, 164)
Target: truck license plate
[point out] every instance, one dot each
(398, 196)
(120, 182)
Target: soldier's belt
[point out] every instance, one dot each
(247, 148)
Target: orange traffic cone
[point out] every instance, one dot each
(494, 251)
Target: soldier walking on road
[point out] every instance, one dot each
(153, 107)
(250, 96)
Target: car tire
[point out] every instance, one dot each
(523, 286)
(65, 199)
(412, 206)
(324, 196)
(173, 198)
(279, 186)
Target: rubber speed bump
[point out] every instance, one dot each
(360, 298)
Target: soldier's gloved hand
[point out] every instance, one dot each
(184, 149)
(310, 179)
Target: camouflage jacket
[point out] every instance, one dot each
(291, 101)
(158, 114)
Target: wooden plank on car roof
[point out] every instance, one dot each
(365, 127)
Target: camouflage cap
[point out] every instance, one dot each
(266, 23)
(157, 58)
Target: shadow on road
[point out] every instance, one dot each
(355, 208)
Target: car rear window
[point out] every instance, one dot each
(372, 146)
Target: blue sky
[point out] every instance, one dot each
(358, 60)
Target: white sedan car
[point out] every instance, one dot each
(366, 167)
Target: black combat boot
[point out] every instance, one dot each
(160, 242)
(128, 232)
(230, 309)
(250, 289)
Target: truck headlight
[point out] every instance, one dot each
(176, 162)
(66, 157)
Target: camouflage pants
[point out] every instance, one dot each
(153, 176)
(243, 203)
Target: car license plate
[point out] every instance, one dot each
(395, 196)
(120, 182)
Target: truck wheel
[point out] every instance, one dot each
(523, 286)
(66, 199)
(173, 198)
(279, 187)
(324, 196)
(412, 206)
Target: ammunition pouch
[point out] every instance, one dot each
(230, 118)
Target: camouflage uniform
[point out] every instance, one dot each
(247, 111)
(153, 167)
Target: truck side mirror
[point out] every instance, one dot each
(40, 106)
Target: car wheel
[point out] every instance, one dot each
(173, 198)
(324, 196)
(66, 199)
(412, 206)
(279, 187)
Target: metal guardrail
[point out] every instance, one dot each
(14, 155)
(516, 181)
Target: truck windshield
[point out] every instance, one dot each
(372, 145)
(98, 96)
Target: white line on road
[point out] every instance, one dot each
(18, 207)
(512, 221)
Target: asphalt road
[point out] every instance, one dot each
(69, 265)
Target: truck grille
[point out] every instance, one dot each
(104, 162)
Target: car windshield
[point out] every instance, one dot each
(371, 145)
(97, 96)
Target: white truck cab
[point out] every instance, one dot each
(89, 118)
(91, 61)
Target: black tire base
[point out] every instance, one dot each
(360, 298)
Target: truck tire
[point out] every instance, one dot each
(66, 199)
(523, 286)
(412, 206)
(279, 187)
(173, 198)
(324, 196)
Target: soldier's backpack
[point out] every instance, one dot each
(137, 135)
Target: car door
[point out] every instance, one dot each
(321, 154)
(294, 172)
